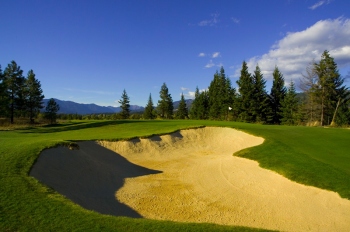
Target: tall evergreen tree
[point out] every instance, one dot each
(203, 105)
(329, 89)
(245, 97)
(14, 82)
(51, 110)
(290, 106)
(214, 92)
(195, 105)
(165, 104)
(124, 105)
(182, 111)
(278, 92)
(148, 113)
(260, 100)
(200, 105)
(229, 98)
(221, 96)
(33, 95)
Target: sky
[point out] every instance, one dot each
(89, 51)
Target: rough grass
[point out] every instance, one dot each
(313, 156)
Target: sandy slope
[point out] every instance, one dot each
(189, 176)
(202, 182)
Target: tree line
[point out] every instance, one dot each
(21, 96)
(164, 108)
(324, 99)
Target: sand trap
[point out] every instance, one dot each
(190, 176)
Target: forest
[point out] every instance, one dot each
(323, 100)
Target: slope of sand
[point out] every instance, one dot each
(200, 181)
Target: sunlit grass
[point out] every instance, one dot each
(314, 156)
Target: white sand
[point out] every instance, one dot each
(202, 182)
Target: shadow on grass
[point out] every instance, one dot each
(76, 126)
(90, 176)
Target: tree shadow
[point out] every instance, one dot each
(89, 176)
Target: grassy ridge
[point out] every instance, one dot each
(314, 156)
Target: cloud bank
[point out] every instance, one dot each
(298, 49)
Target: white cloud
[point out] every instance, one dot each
(210, 22)
(184, 89)
(202, 54)
(210, 64)
(320, 3)
(235, 20)
(191, 94)
(297, 49)
(216, 55)
(188, 95)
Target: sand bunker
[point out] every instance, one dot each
(191, 176)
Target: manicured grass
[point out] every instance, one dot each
(314, 156)
(318, 157)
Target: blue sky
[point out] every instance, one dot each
(89, 51)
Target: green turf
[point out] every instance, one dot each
(314, 156)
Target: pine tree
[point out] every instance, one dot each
(200, 105)
(289, 105)
(278, 92)
(33, 95)
(165, 104)
(51, 110)
(14, 82)
(229, 99)
(329, 88)
(203, 105)
(214, 92)
(148, 113)
(245, 98)
(260, 100)
(124, 105)
(182, 111)
(221, 96)
(194, 114)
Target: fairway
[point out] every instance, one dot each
(301, 154)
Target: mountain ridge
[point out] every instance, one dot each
(70, 107)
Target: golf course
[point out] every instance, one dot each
(174, 175)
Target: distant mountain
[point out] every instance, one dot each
(188, 103)
(69, 107)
